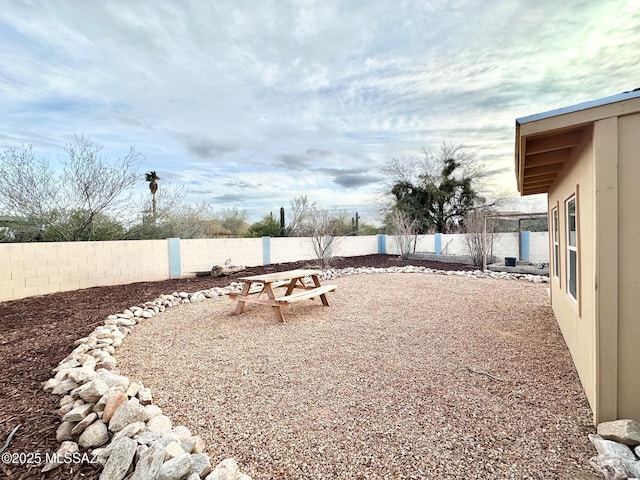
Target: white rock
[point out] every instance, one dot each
(225, 470)
(160, 423)
(91, 391)
(134, 388)
(147, 437)
(82, 374)
(149, 464)
(84, 423)
(174, 449)
(129, 431)
(145, 397)
(178, 468)
(113, 379)
(66, 450)
(611, 448)
(95, 435)
(151, 411)
(63, 432)
(78, 413)
(182, 432)
(120, 459)
(64, 387)
(201, 464)
(622, 431)
(129, 412)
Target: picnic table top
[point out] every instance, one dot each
(279, 276)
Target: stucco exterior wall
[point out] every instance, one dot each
(628, 267)
(577, 320)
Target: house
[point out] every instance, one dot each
(586, 158)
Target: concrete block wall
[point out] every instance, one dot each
(28, 269)
(354, 246)
(539, 247)
(199, 255)
(454, 244)
(290, 249)
(426, 243)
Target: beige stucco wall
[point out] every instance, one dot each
(577, 319)
(602, 330)
(28, 269)
(628, 267)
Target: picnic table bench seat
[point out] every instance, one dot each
(306, 294)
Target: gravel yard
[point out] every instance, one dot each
(403, 376)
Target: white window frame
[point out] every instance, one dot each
(556, 242)
(572, 248)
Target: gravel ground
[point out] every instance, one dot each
(403, 376)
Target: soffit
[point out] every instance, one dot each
(543, 157)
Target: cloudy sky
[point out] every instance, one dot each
(249, 104)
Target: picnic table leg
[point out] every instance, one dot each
(278, 313)
(291, 286)
(245, 293)
(323, 297)
(277, 309)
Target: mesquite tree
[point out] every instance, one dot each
(436, 191)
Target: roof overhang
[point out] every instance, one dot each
(547, 141)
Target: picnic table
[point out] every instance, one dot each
(260, 289)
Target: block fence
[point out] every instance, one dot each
(28, 269)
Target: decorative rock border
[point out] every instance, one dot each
(618, 446)
(115, 418)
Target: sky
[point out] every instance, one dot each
(248, 104)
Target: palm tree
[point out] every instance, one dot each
(152, 178)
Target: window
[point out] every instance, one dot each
(556, 244)
(572, 249)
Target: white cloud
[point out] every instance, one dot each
(219, 94)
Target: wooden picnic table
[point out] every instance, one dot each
(256, 286)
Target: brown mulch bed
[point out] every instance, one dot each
(38, 332)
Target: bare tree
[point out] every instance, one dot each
(298, 215)
(322, 231)
(403, 229)
(474, 223)
(87, 187)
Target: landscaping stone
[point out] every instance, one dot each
(112, 402)
(92, 391)
(149, 464)
(129, 412)
(160, 423)
(95, 435)
(227, 470)
(201, 464)
(120, 459)
(178, 468)
(622, 431)
(78, 413)
(84, 423)
(66, 449)
(611, 448)
(64, 431)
